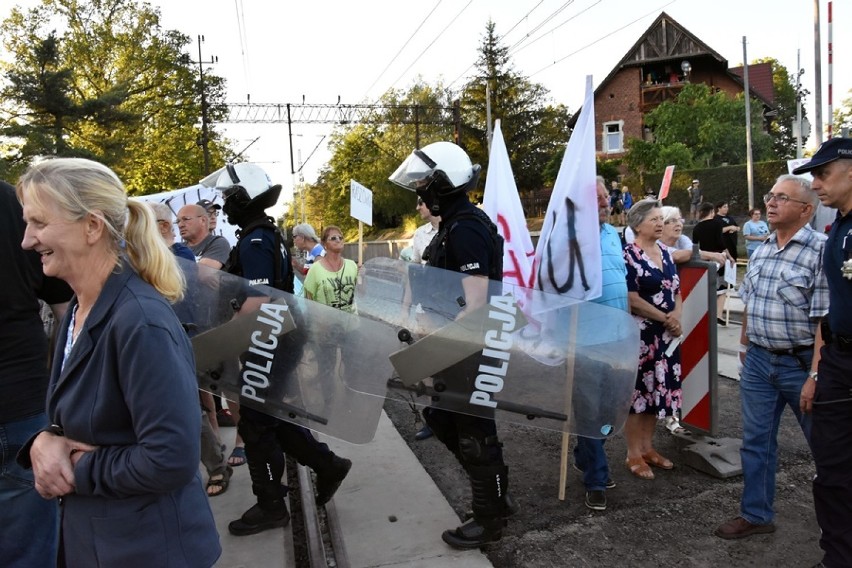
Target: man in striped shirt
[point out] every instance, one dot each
(785, 295)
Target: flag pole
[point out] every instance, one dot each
(569, 396)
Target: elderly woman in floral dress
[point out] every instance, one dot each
(653, 291)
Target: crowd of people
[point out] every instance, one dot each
(109, 440)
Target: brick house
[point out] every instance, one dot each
(655, 69)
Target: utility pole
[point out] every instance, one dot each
(799, 72)
(205, 121)
(818, 78)
(749, 160)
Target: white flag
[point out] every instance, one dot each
(568, 255)
(503, 205)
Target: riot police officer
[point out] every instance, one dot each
(261, 257)
(467, 242)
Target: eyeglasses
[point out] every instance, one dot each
(335, 238)
(213, 213)
(781, 198)
(188, 219)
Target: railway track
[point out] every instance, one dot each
(317, 540)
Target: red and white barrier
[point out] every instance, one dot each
(697, 351)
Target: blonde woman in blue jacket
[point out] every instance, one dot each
(122, 452)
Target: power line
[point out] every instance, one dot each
(431, 43)
(241, 29)
(524, 17)
(402, 48)
(550, 31)
(560, 60)
(543, 22)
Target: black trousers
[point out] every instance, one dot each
(267, 439)
(831, 442)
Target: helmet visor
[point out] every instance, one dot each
(416, 172)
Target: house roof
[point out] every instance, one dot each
(665, 40)
(759, 80)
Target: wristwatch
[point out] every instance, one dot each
(813, 375)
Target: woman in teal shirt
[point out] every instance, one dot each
(755, 231)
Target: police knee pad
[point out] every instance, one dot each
(252, 431)
(479, 451)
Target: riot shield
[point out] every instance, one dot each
(524, 356)
(287, 356)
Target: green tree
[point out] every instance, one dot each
(700, 128)
(534, 130)
(133, 89)
(781, 126)
(369, 153)
(843, 116)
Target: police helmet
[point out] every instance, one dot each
(246, 186)
(442, 168)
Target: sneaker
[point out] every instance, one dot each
(741, 528)
(257, 520)
(596, 500)
(423, 434)
(610, 483)
(329, 480)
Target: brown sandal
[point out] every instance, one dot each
(655, 459)
(639, 468)
(219, 482)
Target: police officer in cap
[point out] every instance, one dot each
(831, 431)
(441, 174)
(261, 257)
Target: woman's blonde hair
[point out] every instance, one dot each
(80, 187)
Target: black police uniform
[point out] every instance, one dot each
(267, 438)
(465, 245)
(831, 435)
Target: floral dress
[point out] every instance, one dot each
(658, 386)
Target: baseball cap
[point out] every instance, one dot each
(696, 181)
(208, 205)
(830, 150)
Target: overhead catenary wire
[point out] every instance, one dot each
(511, 50)
(603, 37)
(241, 30)
(394, 58)
(422, 53)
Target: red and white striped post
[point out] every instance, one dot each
(698, 350)
(830, 75)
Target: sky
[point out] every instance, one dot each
(322, 51)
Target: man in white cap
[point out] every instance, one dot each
(695, 198)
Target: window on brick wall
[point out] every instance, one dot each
(613, 136)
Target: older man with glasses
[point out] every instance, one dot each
(785, 295)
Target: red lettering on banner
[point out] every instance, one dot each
(507, 233)
(514, 274)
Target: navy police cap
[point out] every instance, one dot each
(830, 150)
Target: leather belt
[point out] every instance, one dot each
(794, 351)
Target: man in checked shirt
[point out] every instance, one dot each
(785, 295)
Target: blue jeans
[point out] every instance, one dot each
(768, 383)
(30, 524)
(590, 457)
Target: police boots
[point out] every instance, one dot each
(488, 489)
(260, 518)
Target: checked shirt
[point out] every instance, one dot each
(785, 291)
